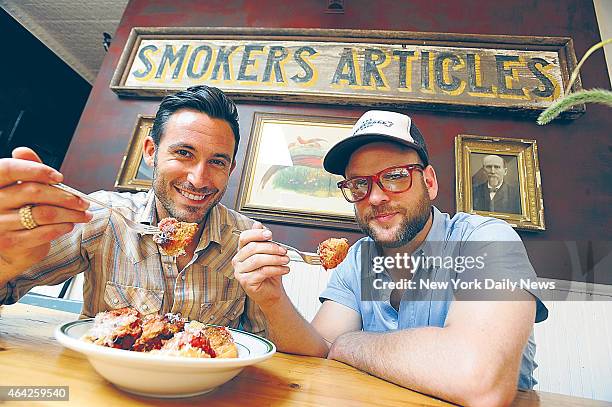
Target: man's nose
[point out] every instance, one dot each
(199, 176)
(377, 195)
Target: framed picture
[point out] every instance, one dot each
(135, 174)
(500, 177)
(284, 179)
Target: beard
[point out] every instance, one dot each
(196, 214)
(494, 180)
(413, 221)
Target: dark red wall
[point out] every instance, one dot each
(575, 157)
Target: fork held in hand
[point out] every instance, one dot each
(310, 258)
(138, 227)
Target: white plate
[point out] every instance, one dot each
(164, 376)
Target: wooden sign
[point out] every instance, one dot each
(457, 72)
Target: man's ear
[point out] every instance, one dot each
(431, 182)
(148, 151)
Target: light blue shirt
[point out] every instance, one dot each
(350, 283)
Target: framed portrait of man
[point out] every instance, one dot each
(495, 183)
(500, 177)
(135, 175)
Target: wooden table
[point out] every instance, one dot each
(29, 355)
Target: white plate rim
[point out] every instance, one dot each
(91, 350)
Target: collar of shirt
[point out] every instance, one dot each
(212, 227)
(147, 213)
(437, 233)
(212, 230)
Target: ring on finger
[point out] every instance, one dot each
(26, 217)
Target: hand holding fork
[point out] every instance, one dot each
(138, 227)
(308, 257)
(260, 263)
(32, 213)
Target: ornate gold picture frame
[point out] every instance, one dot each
(284, 180)
(135, 174)
(500, 177)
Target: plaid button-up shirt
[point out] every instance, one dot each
(122, 268)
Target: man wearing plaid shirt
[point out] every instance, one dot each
(48, 236)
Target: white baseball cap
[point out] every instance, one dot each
(376, 125)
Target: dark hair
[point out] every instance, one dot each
(205, 99)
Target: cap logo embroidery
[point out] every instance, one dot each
(370, 122)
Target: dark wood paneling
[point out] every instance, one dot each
(575, 157)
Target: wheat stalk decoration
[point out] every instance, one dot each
(568, 100)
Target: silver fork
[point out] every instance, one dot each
(138, 227)
(310, 258)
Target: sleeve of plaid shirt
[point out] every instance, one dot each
(67, 257)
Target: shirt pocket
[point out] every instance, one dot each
(144, 300)
(222, 312)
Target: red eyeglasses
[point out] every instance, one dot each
(392, 179)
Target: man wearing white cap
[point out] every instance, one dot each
(377, 315)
